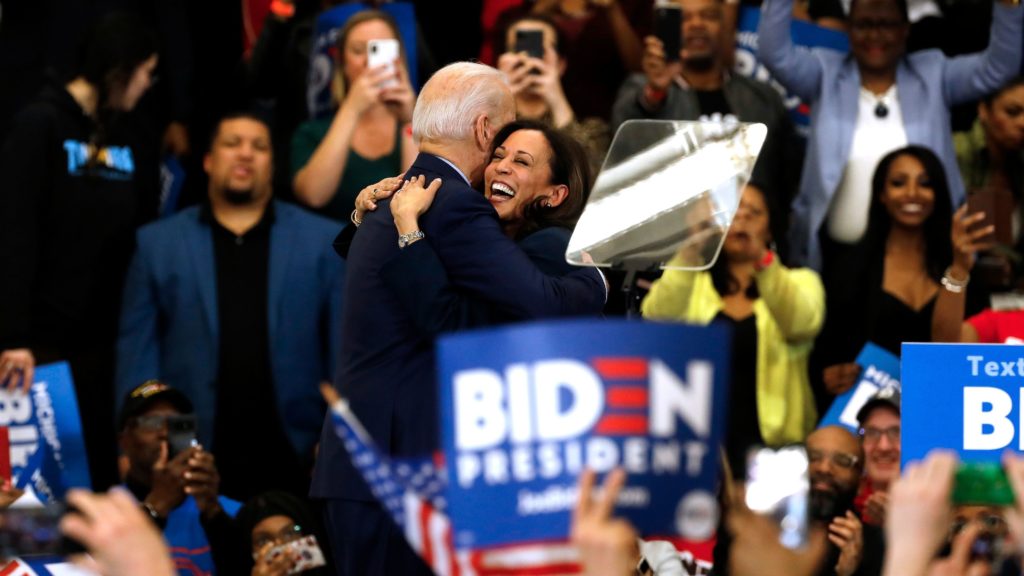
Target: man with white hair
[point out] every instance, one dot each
(386, 367)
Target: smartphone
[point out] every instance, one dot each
(777, 487)
(306, 549)
(383, 53)
(668, 27)
(181, 434)
(531, 42)
(997, 204)
(982, 484)
(34, 532)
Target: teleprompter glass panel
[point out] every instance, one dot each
(665, 188)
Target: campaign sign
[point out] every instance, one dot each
(525, 409)
(45, 434)
(963, 397)
(879, 369)
(325, 39)
(806, 36)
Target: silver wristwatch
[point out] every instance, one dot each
(406, 239)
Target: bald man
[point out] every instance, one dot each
(836, 465)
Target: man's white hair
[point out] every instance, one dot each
(452, 99)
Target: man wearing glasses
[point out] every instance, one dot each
(835, 465)
(879, 420)
(178, 490)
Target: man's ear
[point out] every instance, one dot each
(482, 132)
(206, 164)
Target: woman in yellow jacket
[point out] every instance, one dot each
(775, 314)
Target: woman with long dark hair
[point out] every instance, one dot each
(884, 289)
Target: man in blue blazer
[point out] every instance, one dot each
(386, 366)
(237, 303)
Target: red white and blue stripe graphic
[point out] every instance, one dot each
(626, 396)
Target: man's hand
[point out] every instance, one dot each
(608, 546)
(840, 377)
(659, 72)
(847, 533)
(17, 369)
(168, 489)
(959, 563)
(919, 517)
(117, 535)
(756, 550)
(202, 481)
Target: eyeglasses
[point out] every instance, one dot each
(838, 459)
(990, 523)
(287, 534)
(873, 435)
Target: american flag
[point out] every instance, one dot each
(412, 491)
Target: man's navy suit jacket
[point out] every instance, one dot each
(170, 324)
(386, 366)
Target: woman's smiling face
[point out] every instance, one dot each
(518, 174)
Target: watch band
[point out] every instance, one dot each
(406, 239)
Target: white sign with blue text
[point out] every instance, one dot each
(526, 409)
(964, 397)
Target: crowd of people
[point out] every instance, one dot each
(309, 249)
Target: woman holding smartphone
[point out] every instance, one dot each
(369, 137)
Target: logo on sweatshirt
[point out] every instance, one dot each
(110, 162)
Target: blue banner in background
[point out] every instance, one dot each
(963, 397)
(878, 369)
(325, 37)
(524, 409)
(47, 450)
(805, 36)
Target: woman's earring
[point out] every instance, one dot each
(547, 204)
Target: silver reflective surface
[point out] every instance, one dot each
(666, 187)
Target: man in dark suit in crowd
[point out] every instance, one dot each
(386, 368)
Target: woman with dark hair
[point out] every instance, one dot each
(538, 181)
(884, 289)
(872, 100)
(70, 202)
(370, 135)
(271, 524)
(774, 311)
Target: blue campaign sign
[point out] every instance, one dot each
(805, 36)
(879, 369)
(325, 37)
(524, 409)
(963, 397)
(47, 450)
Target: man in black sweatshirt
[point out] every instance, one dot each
(70, 201)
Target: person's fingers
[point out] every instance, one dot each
(584, 496)
(76, 527)
(86, 563)
(161, 460)
(981, 233)
(85, 502)
(837, 540)
(28, 374)
(844, 532)
(960, 552)
(613, 483)
(434, 186)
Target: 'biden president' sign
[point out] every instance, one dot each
(526, 409)
(965, 397)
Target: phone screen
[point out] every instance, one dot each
(668, 20)
(531, 42)
(34, 532)
(777, 487)
(181, 434)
